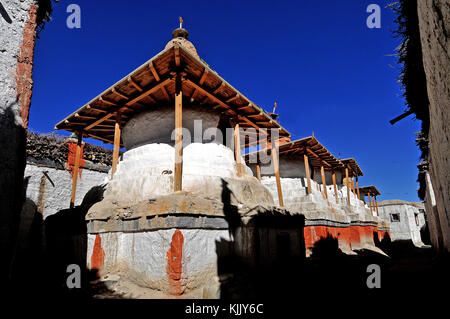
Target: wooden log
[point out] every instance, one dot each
(154, 72)
(373, 203)
(117, 132)
(277, 174)
(258, 171)
(352, 183)
(370, 202)
(324, 182)
(75, 170)
(357, 188)
(178, 170)
(347, 184)
(237, 150)
(376, 206)
(333, 175)
(308, 173)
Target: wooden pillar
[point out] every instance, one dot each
(117, 132)
(324, 182)
(308, 177)
(373, 203)
(258, 171)
(333, 175)
(75, 170)
(353, 186)
(376, 205)
(347, 184)
(178, 170)
(370, 202)
(357, 187)
(237, 150)
(277, 174)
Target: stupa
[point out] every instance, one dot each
(179, 197)
(311, 181)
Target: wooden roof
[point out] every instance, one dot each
(153, 83)
(372, 189)
(355, 170)
(310, 146)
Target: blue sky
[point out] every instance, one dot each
(328, 72)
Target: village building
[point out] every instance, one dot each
(406, 219)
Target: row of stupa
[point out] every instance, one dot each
(173, 208)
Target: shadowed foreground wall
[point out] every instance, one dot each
(434, 25)
(17, 38)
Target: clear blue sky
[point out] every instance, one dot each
(328, 72)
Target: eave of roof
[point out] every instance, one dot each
(318, 154)
(153, 83)
(354, 167)
(372, 189)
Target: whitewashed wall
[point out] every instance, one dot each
(57, 195)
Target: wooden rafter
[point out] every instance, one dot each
(137, 86)
(177, 56)
(317, 156)
(154, 72)
(117, 107)
(217, 100)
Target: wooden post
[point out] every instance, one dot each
(357, 187)
(75, 170)
(347, 184)
(277, 174)
(324, 182)
(237, 150)
(333, 175)
(117, 132)
(373, 203)
(370, 202)
(308, 177)
(376, 205)
(258, 171)
(178, 170)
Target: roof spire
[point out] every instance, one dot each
(180, 36)
(181, 22)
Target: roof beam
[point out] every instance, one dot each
(120, 94)
(154, 72)
(177, 56)
(235, 97)
(217, 100)
(137, 86)
(317, 156)
(121, 107)
(203, 78)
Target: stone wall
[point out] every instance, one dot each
(17, 38)
(434, 22)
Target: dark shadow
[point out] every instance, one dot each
(326, 248)
(49, 247)
(66, 243)
(231, 211)
(425, 234)
(5, 14)
(12, 166)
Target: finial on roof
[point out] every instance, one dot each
(180, 36)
